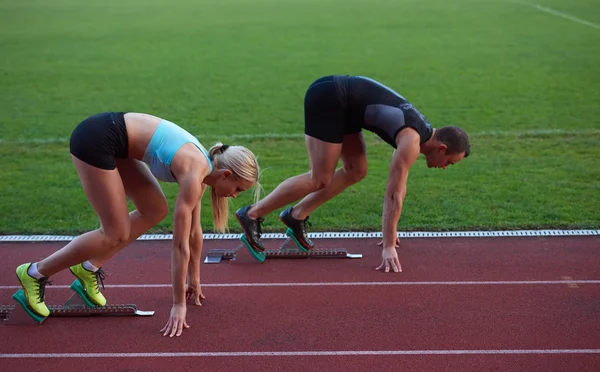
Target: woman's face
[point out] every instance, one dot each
(230, 186)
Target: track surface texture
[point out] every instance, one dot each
(460, 304)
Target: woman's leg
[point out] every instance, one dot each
(151, 205)
(105, 192)
(104, 189)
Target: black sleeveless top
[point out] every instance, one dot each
(379, 109)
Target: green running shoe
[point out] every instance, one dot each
(89, 281)
(35, 290)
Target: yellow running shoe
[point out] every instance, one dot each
(34, 289)
(89, 281)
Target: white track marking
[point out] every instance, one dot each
(303, 353)
(334, 235)
(566, 16)
(346, 284)
(557, 13)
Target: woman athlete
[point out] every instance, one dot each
(109, 151)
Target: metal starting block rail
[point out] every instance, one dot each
(287, 250)
(76, 306)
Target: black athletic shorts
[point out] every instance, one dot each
(100, 139)
(326, 115)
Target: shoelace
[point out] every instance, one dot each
(100, 275)
(259, 226)
(306, 223)
(42, 289)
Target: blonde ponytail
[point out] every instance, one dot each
(241, 162)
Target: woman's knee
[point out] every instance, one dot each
(161, 210)
(157, 210)
(115, 236)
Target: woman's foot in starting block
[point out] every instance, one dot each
(86, 285)
(31, 297)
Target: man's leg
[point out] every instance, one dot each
(354, 169)
(354, 161)
(324, 123)
(323, 157)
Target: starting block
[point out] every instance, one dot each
(289, 249)
(78, 305)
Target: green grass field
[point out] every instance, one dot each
(523, 82)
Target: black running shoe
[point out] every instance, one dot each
(297, 228)
(252, 228)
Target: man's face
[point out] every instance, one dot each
(440, 159)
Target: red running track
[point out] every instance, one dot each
(476, 304)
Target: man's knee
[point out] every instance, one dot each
(356, 172)
(320, 180)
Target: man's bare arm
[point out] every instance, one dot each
(405, 155)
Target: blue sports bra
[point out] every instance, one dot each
(165, 142)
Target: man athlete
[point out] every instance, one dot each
(336, 109)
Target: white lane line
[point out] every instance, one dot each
(345, 284)
(303, 353)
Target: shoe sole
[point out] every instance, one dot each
(259, 256)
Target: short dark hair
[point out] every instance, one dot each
(455, 138)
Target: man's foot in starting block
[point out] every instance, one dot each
(259, 256)
(252, 233)
(87, 285)
(31, 297)
(296, 230)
